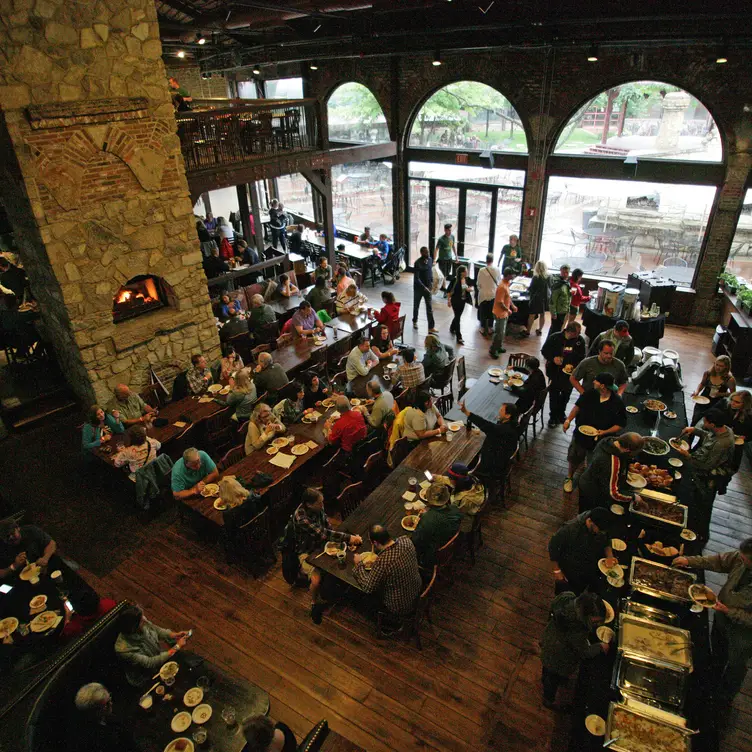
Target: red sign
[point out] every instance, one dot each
(531, 211)
(460, 158)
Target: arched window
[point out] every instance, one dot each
(355, 116)
(468, 115)
(643, 119)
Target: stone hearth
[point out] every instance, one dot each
(97, 192)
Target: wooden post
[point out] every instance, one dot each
(321, 182)
(258, 237)
(612, 94)
(207, 203)
(245, 211)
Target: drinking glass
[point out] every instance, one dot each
(200, 735)
(228, 715)
(169, 681)
(203, 683)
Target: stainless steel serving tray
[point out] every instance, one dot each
(671, 634)
(651, 684)
(652, 591)
(656, 497)
(644, 611)
(682, 736)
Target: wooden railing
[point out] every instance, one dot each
(230, 131)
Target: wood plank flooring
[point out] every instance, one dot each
(475, 685)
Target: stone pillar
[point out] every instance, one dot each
(674, 105)
(95, 186)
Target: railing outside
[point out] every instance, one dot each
(232, 131)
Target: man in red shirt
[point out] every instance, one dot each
(90, 609)
(348, 429)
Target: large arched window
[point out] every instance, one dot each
(355, 116)
(643, 119)
(644, 215)
(468, 115)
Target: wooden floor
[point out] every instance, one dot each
(475, 684)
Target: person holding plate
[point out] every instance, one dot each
(599, 412)
(716, 383)
(439, 523)
(731, 637)
(533, 386)
(563, 352)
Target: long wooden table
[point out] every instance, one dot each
(351, 323)
(385, 505)
(296, 355)
(189, 410)
(484, 398)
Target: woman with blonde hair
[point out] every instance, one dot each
(262, 427)
(242, 396)
(738, 410)
(716, 383)
(241, 504)
(540, 297)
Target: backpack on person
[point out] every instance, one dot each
(290, 561)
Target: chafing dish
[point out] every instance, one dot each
(636, 731)
(661, 504)
(642, 571)
(658, 643)
(650, 683)
(648, 612)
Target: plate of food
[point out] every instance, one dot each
(568, 368)
(739, 440)
(280, 442)
(677, 443)
(651, 474)
(210, 489)
(300, 449)
(655, 446)
(271, 450)
(328, 402)
(332, 549)
(8, 626)
(636, 480)
(169, 670)
(618, 544)
(609, 612)
(654, 405)
(688, 535)
(518, 287)
(43, 621)
(423, 493)
(368, 558)
(615, 572)
(495, 371)
(595, 725)
(659, 549)
(700, 400)
(355, 401)
(703, 595)
(220, 505)
(675, 462)
(455, 426)
(180, 721)
(30, 572)
(193, 697)
(587, 430)
(202, 713)
(632, 409)
(226, 390)
(604, 633)
(617, 509)
(677, 475)
(410, 522)
(214, 388)
(37, 602)
(670, 414)
(181, 744)
(516, 381)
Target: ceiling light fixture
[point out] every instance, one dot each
(721, 58)
(313, 66)
(181, 53)
(200, 38)
(256, 71)
(593, 54)
(436, 59)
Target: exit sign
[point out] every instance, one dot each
(461, 158)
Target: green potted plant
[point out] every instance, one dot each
(729, 282)
(745, 299)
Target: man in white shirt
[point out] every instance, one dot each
(488, 280)
(360, 360)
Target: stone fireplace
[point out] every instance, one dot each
(95, 187)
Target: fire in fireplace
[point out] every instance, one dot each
(139, 295)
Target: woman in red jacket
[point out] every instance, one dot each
(578, 296)
(389, 314)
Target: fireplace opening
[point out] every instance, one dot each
(140, 295)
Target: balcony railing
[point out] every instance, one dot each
(228, 132)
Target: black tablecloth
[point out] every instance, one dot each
(594, 691)
(645, 333)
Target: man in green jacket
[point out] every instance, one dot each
(565, 639)
(438, 525)
(731, 638)
(561, 295)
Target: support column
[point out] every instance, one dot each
(245, 210)
(258, 238)
(321, 182)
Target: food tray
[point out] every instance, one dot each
(660, 507)
(643, 611)
(649, 683)
(654, 590)
(649, 734)
(659, 644)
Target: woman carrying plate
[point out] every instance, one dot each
(716, 383)
(738, 409)
(262, 428)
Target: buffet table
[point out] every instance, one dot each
(595, 689)
(646, 333)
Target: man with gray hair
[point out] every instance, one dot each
(191, 473)
(94, 698)
(383, 404)
(129, 407)
(360, 360)
(95, 727)
(269, 376)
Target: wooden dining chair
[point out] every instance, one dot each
(258, 350)
(523, 425)
(374, 469)
(284, 339)
(444, 403)
(538, 405)
(463, 383)
(517, 360)
(443, 379)
(251, 543)
(153, 395)
(505, 487)
(402, 447)
(409, 625)
(267, 333)
(350, 498)
(338, 382)
(445, 557)
(232, 457)
(219, 430)
(400, 334)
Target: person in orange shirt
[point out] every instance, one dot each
(503, 306)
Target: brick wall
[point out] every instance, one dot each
(546, 87)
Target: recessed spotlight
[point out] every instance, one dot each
(256, 72)
(592, 56)
(181, 53)
(313, 66)
(200, 38)
(720, 59)
(436, 59)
